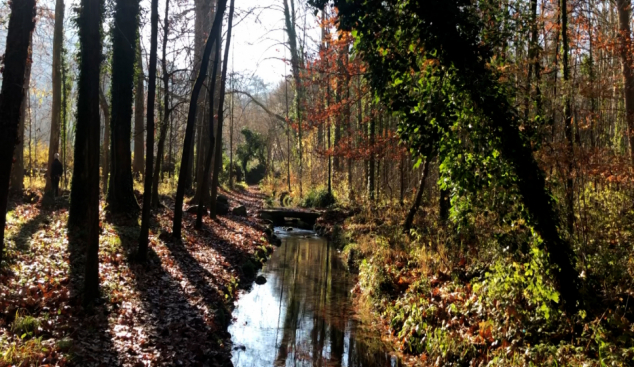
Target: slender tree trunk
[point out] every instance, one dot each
(212, 139)
(166, 114)
(139, 113)
(625, 50)
(371, 174)
(149, 160)
(84, 203)
(17, 173)
(223, 83)
(21, 24)
(291, 30)
(121, 199)
(103, 101)
(407, 226)
(58, 39)
(570, 214)
(191, 116)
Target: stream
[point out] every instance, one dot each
(303, 314)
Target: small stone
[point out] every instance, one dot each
(260, 280)
(289, 229)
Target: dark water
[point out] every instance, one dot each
(302, 316)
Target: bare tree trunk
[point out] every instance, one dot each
(17, 173)
(407, 226)
(210, 132)
(103, 101)
(149, 160)
(21, 24)
(84, 203)
(625, 49)
(58, 39)
(570, 214)
(121, 199)
(166, 114)
(291, 30)
(139, 113)
(186, 157)
(221, 101)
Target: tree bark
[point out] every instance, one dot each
(17, 173)
(570, 214)
(84, 203)
(212, 141)
(166, 114)
(121, 199)
(624, 8)
(291, 30)
(189, 129)
(56, 108)
(21, 24)
(103, 102)
(223, 84)
(149, 159)
(409, 220)
(139, 113)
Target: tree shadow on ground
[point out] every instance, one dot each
(92, 340)
(183, 316)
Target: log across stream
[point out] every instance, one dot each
(303, 315)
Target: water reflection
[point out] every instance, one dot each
(302, 315)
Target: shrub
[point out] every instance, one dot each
(318, 199)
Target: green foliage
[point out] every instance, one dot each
(318, 198)
(255, 174)
(25, 325)
(254, 147)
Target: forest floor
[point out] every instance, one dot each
(173, 310)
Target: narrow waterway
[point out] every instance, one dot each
(302, 315)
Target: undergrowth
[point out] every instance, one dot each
(478, 291)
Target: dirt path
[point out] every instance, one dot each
(174, 310)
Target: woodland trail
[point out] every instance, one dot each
(174, 310)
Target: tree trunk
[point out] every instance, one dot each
(371, 167)
(625, 50)
(221, 102)
(21, 24)
(409, 220)
(291, 30)
(56, 108)
(17, 173)
(149, 159)
(191, 116)
(121, 199)
(570, 214)
(139, 113)
(103, 101)
(166, 114)
(84, 203)
(210, 132)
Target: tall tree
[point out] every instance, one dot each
(103, 102)
(21, 24)
(84, 195)
(204, 180)
(121, 197)
(17, 171)
(151, 96)
(139, 113)
(291, 31)
(565, 50)
(58, 40)
(191, 116)
(624, 8)
(223, 84)
(167, 111)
